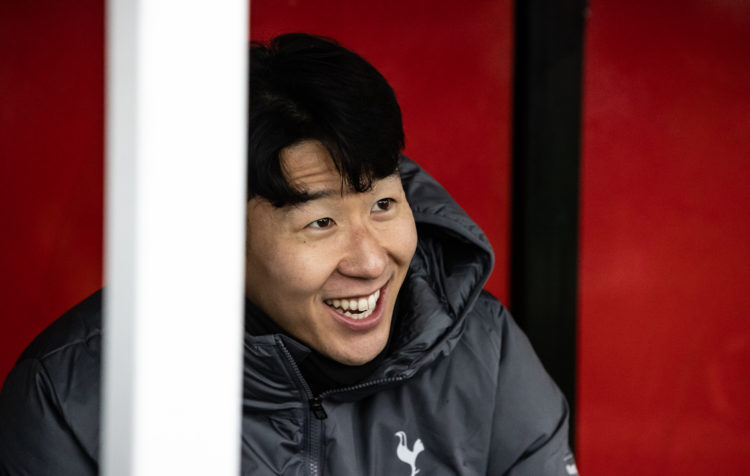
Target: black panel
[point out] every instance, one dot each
(546, 159)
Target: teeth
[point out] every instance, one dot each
(365, 305)
(360, 315)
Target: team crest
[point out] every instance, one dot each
(408, 456)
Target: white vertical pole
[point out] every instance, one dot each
(175, 194)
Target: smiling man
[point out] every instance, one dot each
(370, 346)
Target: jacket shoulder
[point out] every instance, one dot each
(530, 434)
(79, 326)
(487, 320)
(49, 404)
(530, 420)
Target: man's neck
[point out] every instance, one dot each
(320, 372)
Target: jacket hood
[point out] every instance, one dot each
(452, 263)
(467, 259)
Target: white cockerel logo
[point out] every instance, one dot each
(408, 456)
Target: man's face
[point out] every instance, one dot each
(328, 270)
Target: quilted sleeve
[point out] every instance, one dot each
(530, 426)
(35, 438)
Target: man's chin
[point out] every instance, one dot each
(361, 357)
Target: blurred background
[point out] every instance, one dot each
(631, 119)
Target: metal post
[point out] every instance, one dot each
(175, 204)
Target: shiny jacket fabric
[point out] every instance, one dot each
(460, 393)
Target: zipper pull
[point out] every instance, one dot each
(316, 405)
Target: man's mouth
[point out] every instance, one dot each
(355, 307)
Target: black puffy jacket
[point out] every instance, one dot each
(460, 392)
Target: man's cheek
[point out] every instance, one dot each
(301, 273)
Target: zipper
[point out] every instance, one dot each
(360, 386)
(316, 406)
(314, 425)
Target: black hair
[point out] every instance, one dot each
(310, 87)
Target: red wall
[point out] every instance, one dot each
(664, 340)
(51, 143)
(665, 239)
(450, 68)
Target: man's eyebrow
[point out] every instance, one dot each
(325, 193)
(306, 196)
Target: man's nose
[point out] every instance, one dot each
(365, 257)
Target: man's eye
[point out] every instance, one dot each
(321, 223)
(382, 205)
